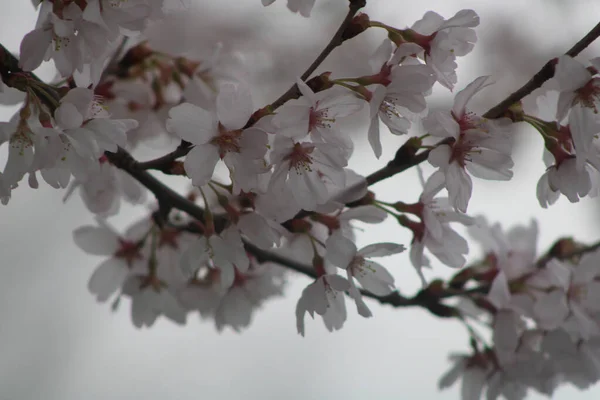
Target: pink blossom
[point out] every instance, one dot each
(220, 135)
(478, 146)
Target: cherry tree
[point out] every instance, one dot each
(229, 244)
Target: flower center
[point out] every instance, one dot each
(589, 95)
(319, 119)
(300, 158)
(227, 141)
(129, 251)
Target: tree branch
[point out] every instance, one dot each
(165, 162)
(336, 40)
(542, 76)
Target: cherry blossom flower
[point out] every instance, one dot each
(316, 114)
(299, 168)
(22, 136)
(80, 34)
(325, 296)
(434, 232)
(208, 73)
(55, 38)
(372, 276)
(151, 298)
(247, 294)
(444, 40)
(472, 370)
(125, 252)
(570, 300)
(88, 126)
(478, 145)
(220, 135)
(409, 84)
(103, 188)
(577, 86)
(225, 251)
(513, 252)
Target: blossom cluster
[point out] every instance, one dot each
(69, 143)
(287, 192)
(80, 35)
(544, 319)
(572, 151)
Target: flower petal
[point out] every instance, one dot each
(234, 105)
(200, 163)
(192, 123)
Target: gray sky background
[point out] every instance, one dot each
(57, 343)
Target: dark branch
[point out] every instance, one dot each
(336, 40)
(542, 76)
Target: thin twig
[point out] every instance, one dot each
(335, 41)
(165, 162)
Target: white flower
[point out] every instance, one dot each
(571, 299)
(103, 188)
(473, 370)
(325, 296)
(225, 251)
(409, 84)
(78, 36)
(372, 276)
(577, 86)
(55, 38)
(444, 40)
(259, 230)
(479, 146)
(576, 362)
(151, 298)
(514, 252)
(300, 169)
(88, 126)
(434, 232)
(316, 114)
(247, 294)
(125, 256)
(219, 135)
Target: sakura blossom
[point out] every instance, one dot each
(225, 251)
(372, 276)
(406, 91)
(476, 145)
(75, 34)
(126, 255)
(573, 160)
(128, 115)
(103, 189)
(577, 86)
(150, 298)
(434, 232)
(299, 168)
(220, 135)
(443, 40)
(325, 296)
(316, 114)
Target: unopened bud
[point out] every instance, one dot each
(407, 151)
(359, 24)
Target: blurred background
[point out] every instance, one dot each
(57, 342)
